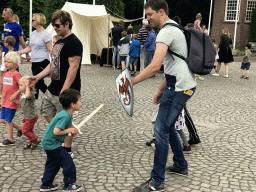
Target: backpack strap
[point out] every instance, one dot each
(182, 29)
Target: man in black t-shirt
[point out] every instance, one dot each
(64, 68)
(116, 35)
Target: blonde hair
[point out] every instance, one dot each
(16, 18)
(13, 57)
(10, 40)
(26, 78)
(199, 16)
(226, 31)
(40, 18)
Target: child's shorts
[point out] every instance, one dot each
(7, 114)
(122, 58)
(133, 60)
(245, 66)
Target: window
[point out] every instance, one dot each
(231, 10)
(251, 4)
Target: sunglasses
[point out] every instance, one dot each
(5, 9)
(33, 20)
(57, 25)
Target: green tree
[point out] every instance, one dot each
(253, 26)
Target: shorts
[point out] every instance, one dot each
(122, 58)
(133, 60)
(50, 105)
(245, 66)
(7, 114)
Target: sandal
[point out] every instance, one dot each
(27, 146)
(35, 143)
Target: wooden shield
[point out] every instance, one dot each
(125, 91)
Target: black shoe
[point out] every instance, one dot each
(192, 141)
(150, 142)
(7, 142)
(246, 78)
(52, 187)
(150, 185)
(19, 133)
(242, 76)
(173, 169)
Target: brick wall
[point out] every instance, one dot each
(243, 28)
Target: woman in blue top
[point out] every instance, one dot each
(40, 47)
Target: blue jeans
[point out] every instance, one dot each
(56, 159)
(115, 54)
(170, 108)
(149, 56)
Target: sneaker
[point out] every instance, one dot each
(73, 188)
(134, 74)
(216, 74)
(52, 187)
(173, 169)
(19, 133)
(246, 78)
(7, 142)
(149, 143)
(199, 78)
(186, 149)
(192, 141)
(150, 185)
(226, 76)
(71, 154)
(242, 76)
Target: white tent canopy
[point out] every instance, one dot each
(90, 25)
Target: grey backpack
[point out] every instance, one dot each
(201, 52)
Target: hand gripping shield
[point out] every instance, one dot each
(125, 91)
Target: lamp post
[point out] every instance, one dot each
(210, 17)
(93, 2)
(30, 18)
(144, 9)
(237, 10)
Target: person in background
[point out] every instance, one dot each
(197, 23)
(16, 18)
(40, 46)
(224, 51)
(142, 37)
(150, 44)
(116, 36)
(123, 48)
(134, 53)
(246, 61)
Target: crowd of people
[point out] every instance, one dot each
(59, 57)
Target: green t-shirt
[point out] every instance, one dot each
(248, 57)
(62, 120)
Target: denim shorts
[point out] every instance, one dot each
(245, 66)
(7, 114)
(133, 60)
(122, 58)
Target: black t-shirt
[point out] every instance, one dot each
(116, 32)
(62, 50)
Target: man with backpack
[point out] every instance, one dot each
(177, 87)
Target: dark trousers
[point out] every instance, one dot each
(190, 125)
(37, 67)
(56, 159)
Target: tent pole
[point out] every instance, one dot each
(108, 38)
(210, 16)
(237, 10)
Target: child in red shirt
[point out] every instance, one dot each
(10, 83)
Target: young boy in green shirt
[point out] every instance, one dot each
(54, 136)
(246, 61)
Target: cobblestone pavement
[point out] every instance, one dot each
(111, 154)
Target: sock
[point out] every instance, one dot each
(183, 137)
(68, 149)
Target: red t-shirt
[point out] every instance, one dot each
(10, 83)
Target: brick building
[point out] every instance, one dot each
(224, 15)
